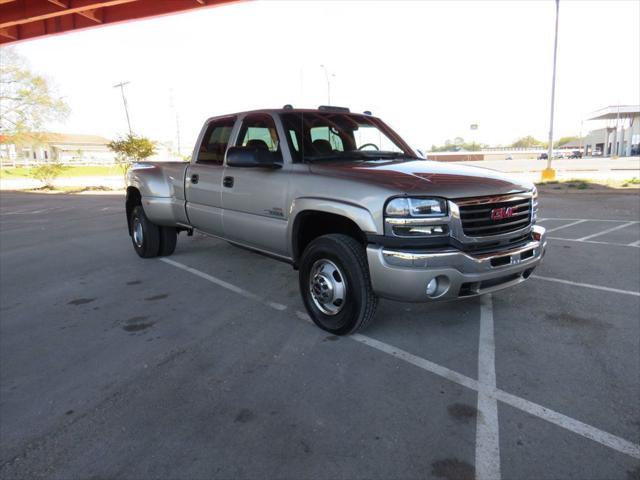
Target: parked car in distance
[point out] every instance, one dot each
(342, 198)
(543, 156)
(575, 154)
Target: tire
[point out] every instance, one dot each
(168, 240)
(145, 235)
(335, 284)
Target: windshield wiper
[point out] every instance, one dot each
(359, 155)
(334, 156)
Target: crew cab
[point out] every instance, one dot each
(348, 203)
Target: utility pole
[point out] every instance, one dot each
(124, 100)
(326, 76)
(173, 107)
(549, 173)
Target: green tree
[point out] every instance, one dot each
(527, 142)
(564, 140)
(28, 101)
(457, 145)
(130, 149)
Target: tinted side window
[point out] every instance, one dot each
(215, 141)
(327, 134)
(259, 131)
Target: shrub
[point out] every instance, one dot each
(47, 173)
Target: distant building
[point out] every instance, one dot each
(620, 136)
(67, 148)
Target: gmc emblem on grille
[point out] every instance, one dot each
(501, 213)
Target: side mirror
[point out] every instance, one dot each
(250, 157)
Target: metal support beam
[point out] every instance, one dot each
(16, 16)
(37, 18)
(94, 15)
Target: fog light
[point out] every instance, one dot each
(432, 287)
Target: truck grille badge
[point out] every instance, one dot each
(501, 213)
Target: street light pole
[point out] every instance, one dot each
(124, 101)
(549, 173)
(326, 76)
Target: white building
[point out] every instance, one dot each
(67, 148)
(619, 134)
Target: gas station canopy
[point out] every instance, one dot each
(25, 19)
(616, 112)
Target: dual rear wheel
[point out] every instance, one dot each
(151, 240)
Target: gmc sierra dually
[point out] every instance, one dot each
(342, 198)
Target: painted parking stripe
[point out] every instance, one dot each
(634, 244)
(586, 285)
(612, 229)
(604, 438)
(566, 225)
(559, 419)
(419, 362)
(223, 284)
(580, 428)
(600, 436)
(487, 429)
(586, 220)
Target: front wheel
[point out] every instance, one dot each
(335, 284)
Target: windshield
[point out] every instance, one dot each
(316, 136)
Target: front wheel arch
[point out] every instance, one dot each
(311, 224)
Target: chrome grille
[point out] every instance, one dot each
(477, 222)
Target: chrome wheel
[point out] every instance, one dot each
(328, 287)
(138, 235)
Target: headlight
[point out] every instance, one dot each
(416, 217)
(416, 207)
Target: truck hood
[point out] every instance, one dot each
(425, 177)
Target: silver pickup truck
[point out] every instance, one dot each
(342, 198)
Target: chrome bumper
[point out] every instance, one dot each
(404, 275)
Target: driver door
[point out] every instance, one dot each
(254, 199)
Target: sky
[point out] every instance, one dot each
(430, 69)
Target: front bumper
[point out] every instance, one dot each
(403, 275)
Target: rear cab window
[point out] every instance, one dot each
(215, 141)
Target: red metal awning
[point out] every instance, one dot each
(25, 19)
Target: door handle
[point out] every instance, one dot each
(228, 182)
(194, 178)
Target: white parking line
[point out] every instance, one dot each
(600, 436)
(419, 362)
(576, 426)
(612, 229)
(487, 429)
(586, 220)
(586, 285)
(580, 428)
(30, 212)
(223, 284)
(566, 226)
(634, 244)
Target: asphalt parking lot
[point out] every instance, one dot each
(203, 365)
